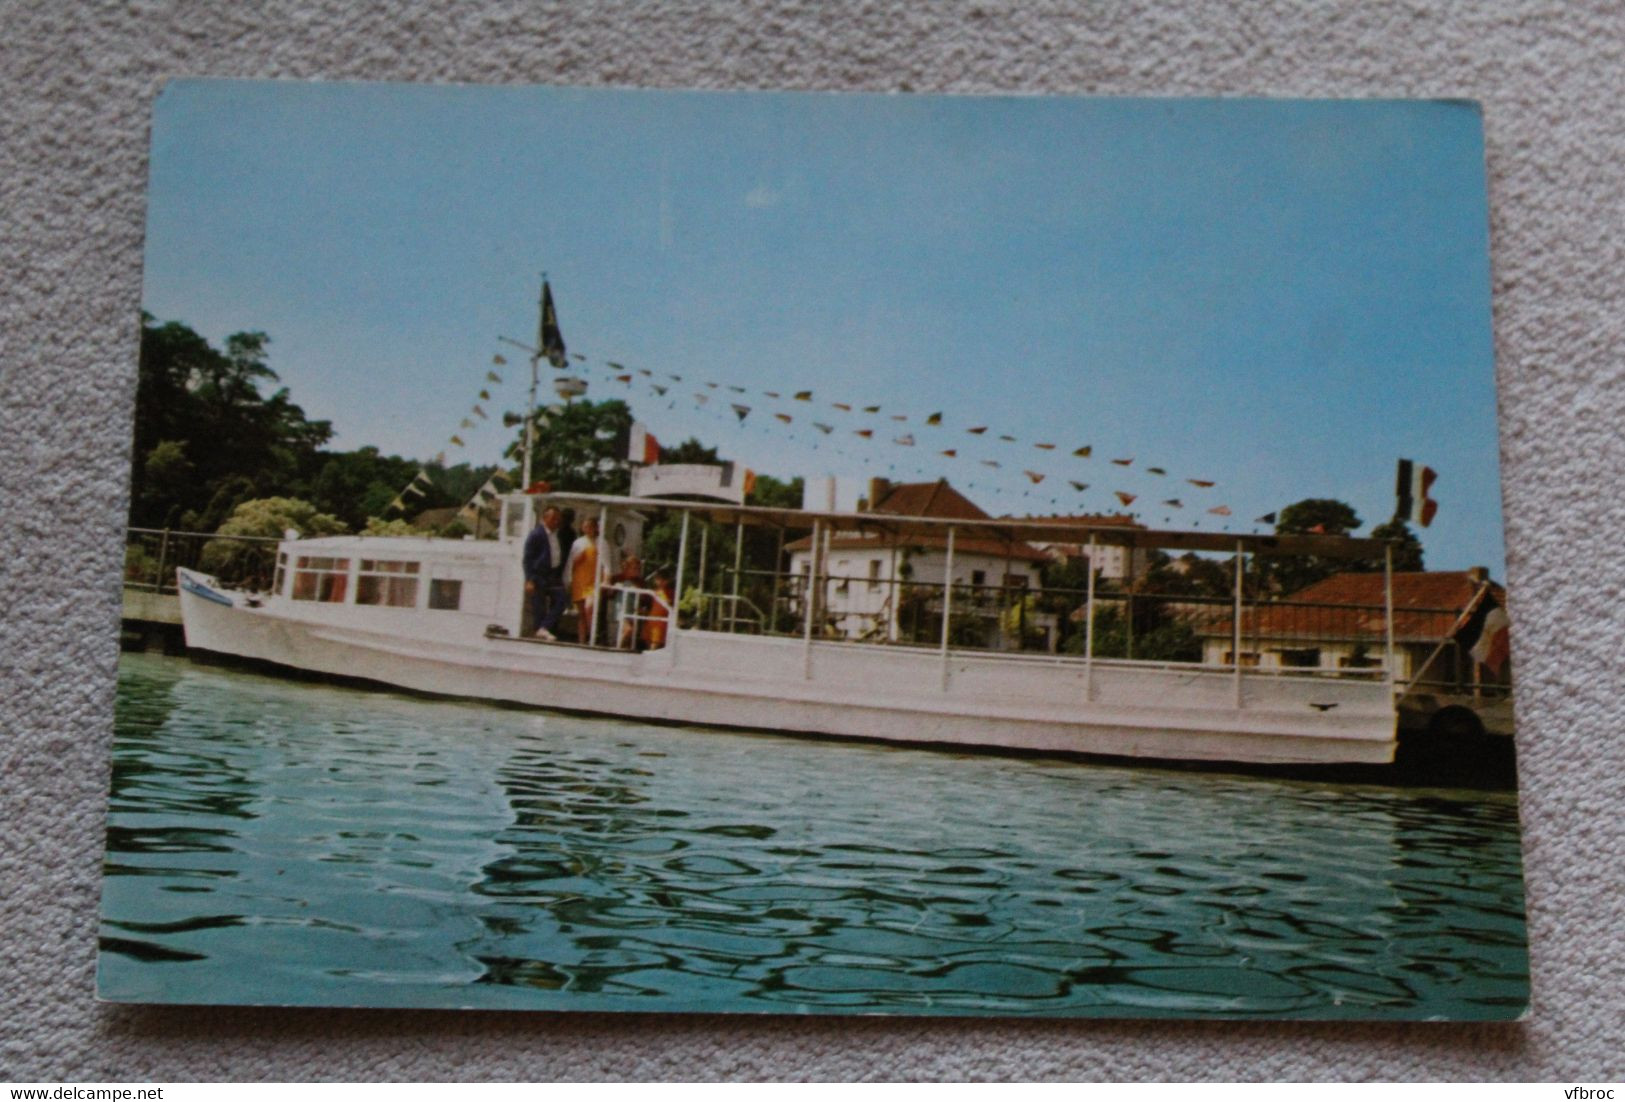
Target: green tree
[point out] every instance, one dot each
(689, 451)
(206, 405)
(1407, 551)
(250, 559)
(581, 447)
(1287, 574)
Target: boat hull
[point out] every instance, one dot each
(1172, 712)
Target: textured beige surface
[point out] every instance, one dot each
(78, 83)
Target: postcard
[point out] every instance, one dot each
(599, 549)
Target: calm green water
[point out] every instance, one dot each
(281, 842)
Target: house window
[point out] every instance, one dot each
(319, 578)
(446, 594)
(874, 575)
(387, 582)
(1305, 658)
(281, 569)
(1015, 581)
(1248, 658)
(841, 579)
(978, 577)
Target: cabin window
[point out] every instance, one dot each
(446, 593)
(320, 578)
(387, 582)
(1304, 658)
(874, 575)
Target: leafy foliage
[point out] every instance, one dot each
(241, 560)
(581, 447)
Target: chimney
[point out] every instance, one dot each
(1478, 575)
(878, 489)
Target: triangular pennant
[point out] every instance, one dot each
(907, 440)
(1084, 452)
(1126, 499)
(740, 411)
(991, 463)
(785, 417)
(771, 393)
(951, 453)
(1220, 510)
(1202, 482)
(1035, 476)
(481, 414)
(737, 389)
(978, 430)
(1174, 503)
(871, 409)
(499, 359)
(803, 395)
(1007, 439)
(466, 423)
(625, 378)
(1078, 486)
(865, 433)
(1123, 462)
(458, 440)
(713, 386)
(1155, 470)
(493, 377)
(1045, 447)
(659, 390)
(899, 417)
(842, 406)
(934, 419)
(485, 395)
(1267, 518)
(823, 428)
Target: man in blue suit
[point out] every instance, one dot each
(544, 573)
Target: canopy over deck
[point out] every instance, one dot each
(1007, 529)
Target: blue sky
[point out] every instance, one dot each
(1283, 297)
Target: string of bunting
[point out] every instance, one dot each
(618, 372)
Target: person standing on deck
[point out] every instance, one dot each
(582, 569)
(544, 567)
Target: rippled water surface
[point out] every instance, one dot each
(282, 842)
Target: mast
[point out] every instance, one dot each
(535, 380)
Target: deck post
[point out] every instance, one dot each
(778, 566)
(807, 598)
(1388, 615)
(739, 555)
(1235, 624)
(677, 591)
(705, 534)
(947, 603)
(163, 553)
(598, 576)
(1089, 627)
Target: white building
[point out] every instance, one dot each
(876, 587)
(1118, 564)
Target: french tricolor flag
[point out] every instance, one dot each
(1412, 486)
(642, 447)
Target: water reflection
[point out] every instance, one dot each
(364, 848)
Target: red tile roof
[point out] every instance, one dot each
(928, 499)
(1427, 606)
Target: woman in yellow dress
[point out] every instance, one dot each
(582, 570)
